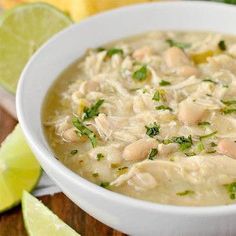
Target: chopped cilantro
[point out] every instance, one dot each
(212, 144)
(204, 123)
(122, 170)
(222, 45)
(152, 154)
(186, 192)
(152, 130)
(163, 107)
(190, 154)
(211, 151)
(95, 175)
(164, 83)
(83, 130)
(229, 102)
(159, 95)
(207, 135)
(184, 143)
(140, 74)
(231, 189)
(105, 184)
(114, 165)
(180, 45)
(100, 156)
(90, 112)
(227, 110)
(200, 147)
(114, 51)
(100, 49)
(73, 152)
(210, 81)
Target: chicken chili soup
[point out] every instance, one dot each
(152, 117)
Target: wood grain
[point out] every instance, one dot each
(11, 222)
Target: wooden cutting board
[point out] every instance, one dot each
(11, 223)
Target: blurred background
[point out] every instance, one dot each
(79, 9)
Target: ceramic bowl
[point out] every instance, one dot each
(131, 216)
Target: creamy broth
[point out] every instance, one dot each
(152, 117)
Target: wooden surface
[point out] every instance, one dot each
(11, 223)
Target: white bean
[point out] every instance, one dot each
(139, 149)
(140, 53)
(175, 57)
(166, 149)
(227, 147)
(187, 71)
(70, 135)
(190, 113)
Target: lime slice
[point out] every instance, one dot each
(19, 169)
(22, 31)
(39, 220)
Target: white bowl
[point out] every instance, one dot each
(128, 215)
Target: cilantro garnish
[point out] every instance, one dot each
(159, 95)
(186, 192)
(163, 107)
(114, 51)
(152, 130)
(140, 74)
(100, 156)
(180, 45)
(83, 130)
(90, 112)
(164, 83)
(152, 154)
(184, 142)
(207, 135)
(231, 189)
(222, 46)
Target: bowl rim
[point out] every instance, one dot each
(47, 155)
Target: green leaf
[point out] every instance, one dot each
(229, 102)
(152, 154)
(159, 95)
(209, 81)
(207, 135)
(186, 192)
(105, 184)
(100, 156)
(200, 147)
(190, 154)
(222, 45)
(164, 83)
(114, 51)
(73, 152)
(140, 74)
(180, 45)
(227, 110)
(204, 123)
(152, 130)
(100, 49)
(231, 189)
(163, 107)
(83, 130)
(184, 143)
(90, 112)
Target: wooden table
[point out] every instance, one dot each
(11, 223)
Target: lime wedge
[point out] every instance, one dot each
(22, 31)
(39, 220)
(19, 170)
